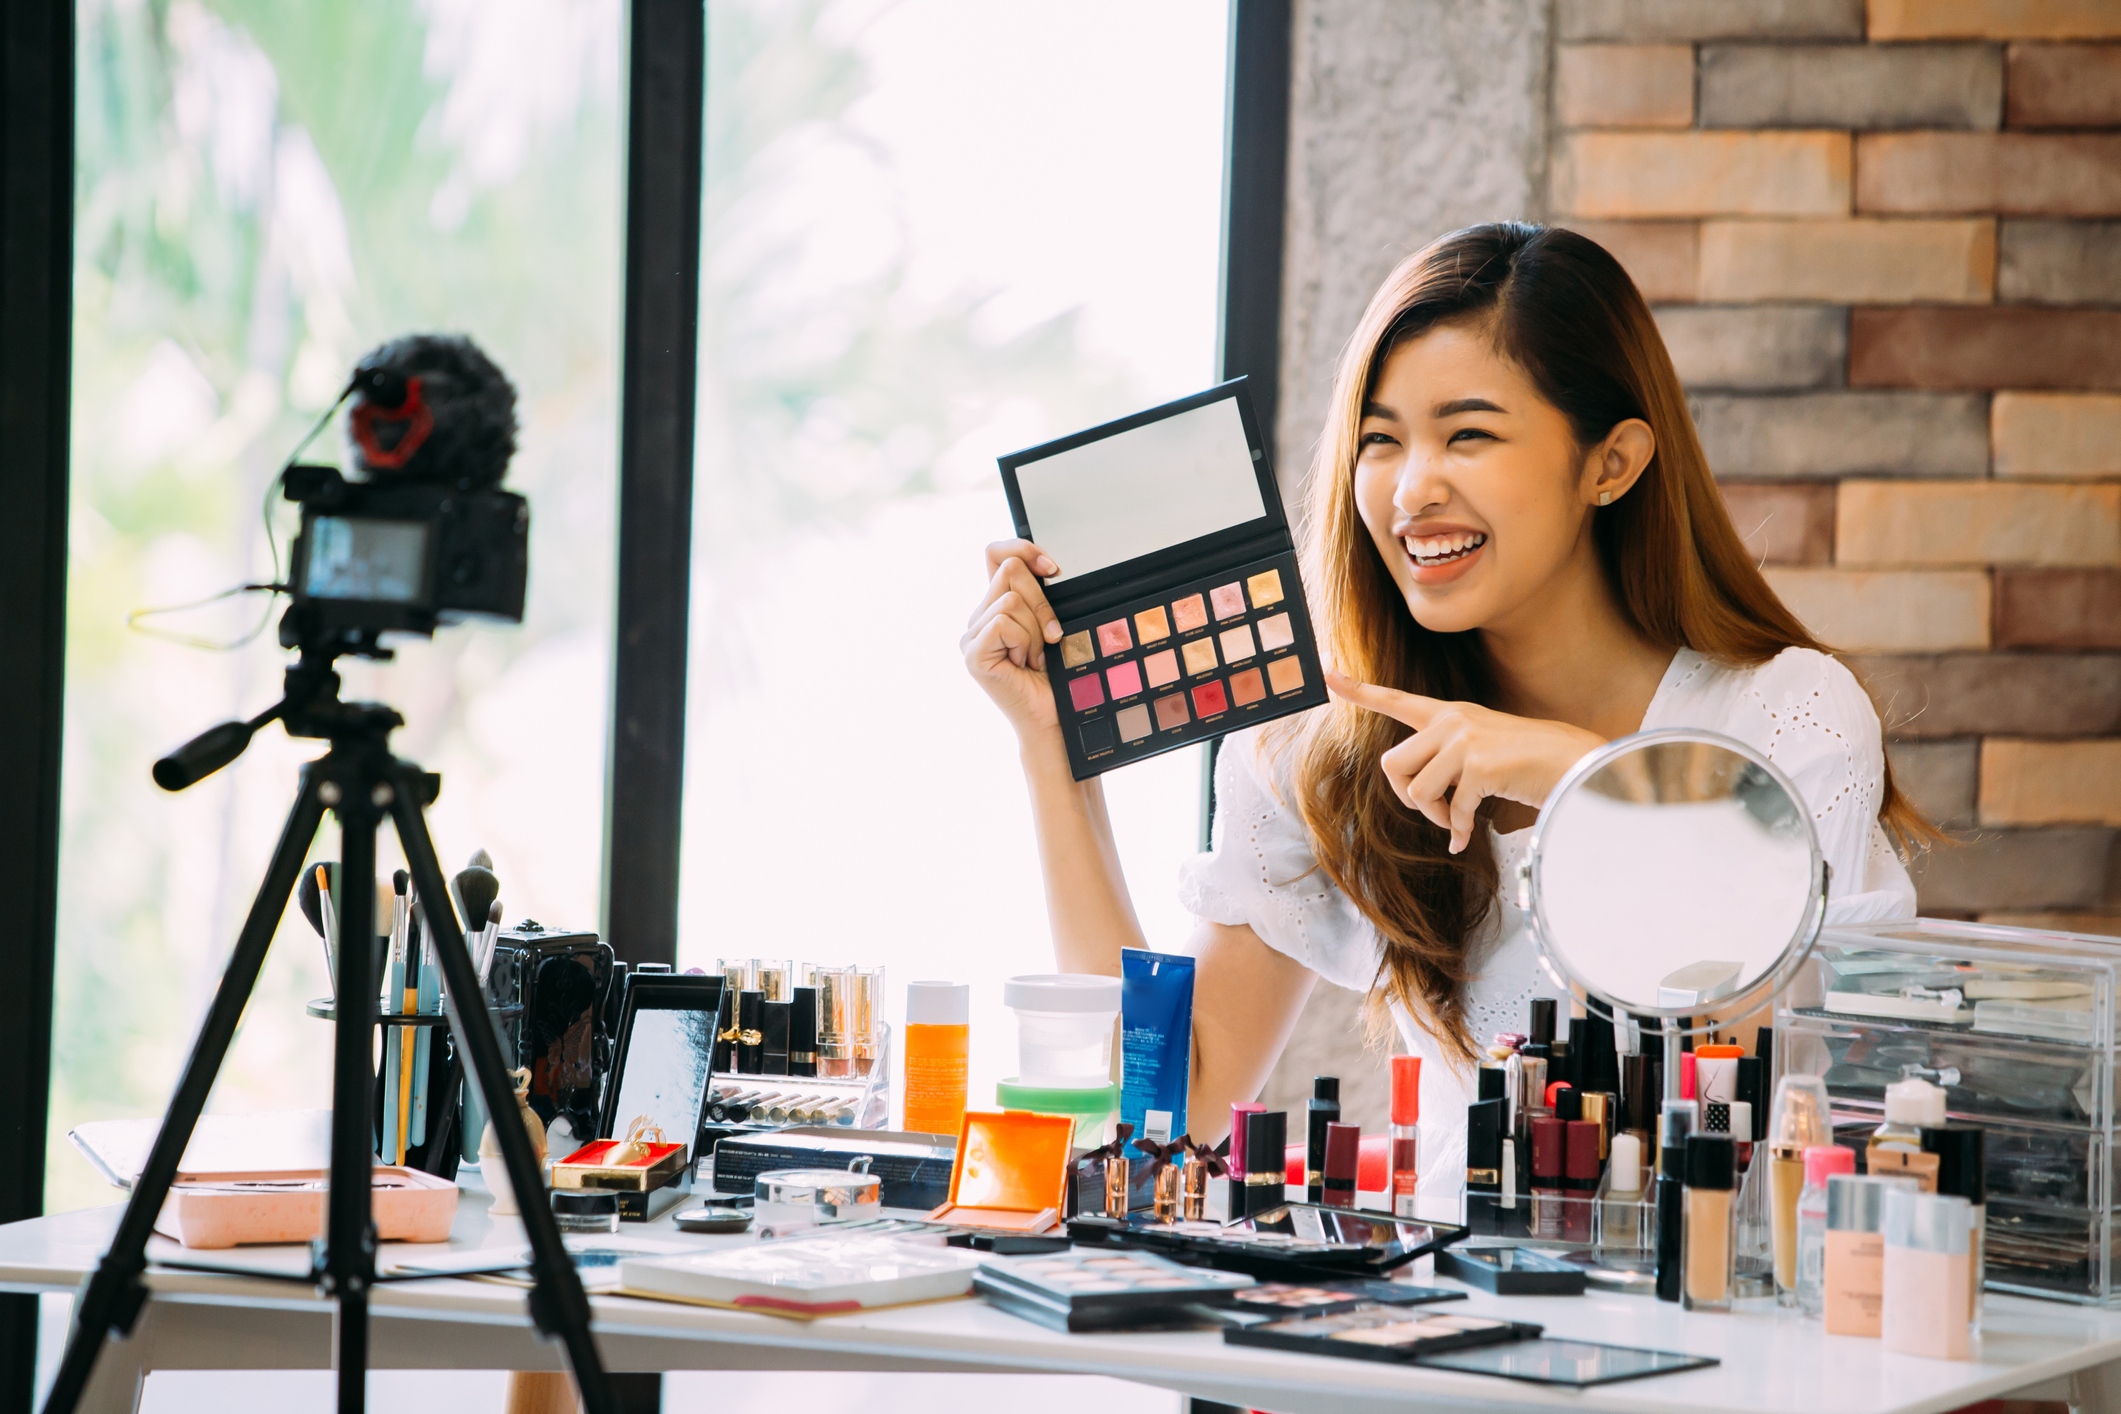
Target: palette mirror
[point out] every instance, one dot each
(665, 1062)
(1182, 612)
(1674, 874)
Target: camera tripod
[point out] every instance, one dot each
(360, 782)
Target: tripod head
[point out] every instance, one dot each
(310, 707)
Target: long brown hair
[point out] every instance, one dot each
(1564, 311)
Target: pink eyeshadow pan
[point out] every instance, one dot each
(1190, 613)
(1114, 637)
(1085, 692)
(1229, 601)
(1162, 668)
(1276, 632)
(1124, 680)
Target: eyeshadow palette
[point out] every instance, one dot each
(1390, 1333)
(1280, 1300)
(1182, 614)
(1575, 1363)
(1095, 1291)
(1294, 1242)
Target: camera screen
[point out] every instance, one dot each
(379, 561)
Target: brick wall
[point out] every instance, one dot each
(1884, 245)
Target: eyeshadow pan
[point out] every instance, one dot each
(1229, 601)
(1171, 712)
(1076, 649)
(1237, 643)
(1200, 656)
(1097, 736)
(1124, 680)
(1150, 625)
(1285, 674)
(1276, 632)
(1162, 668)
(1086, 692)
(1114, 638)
(1265, 587)
(1208, 699)
(1190, 613)
(1134, 723)
(1246, 688)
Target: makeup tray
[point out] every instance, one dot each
(1294, 1242)
(2017, 1025)
(1392, 1334)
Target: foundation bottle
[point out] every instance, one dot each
(1926, 1274)
(1821, 1162)
(1962, 1172)
(1802, 1119)
(1708, 1245)
(1911, 1106)
(1855, 1251)
(1675, 1125)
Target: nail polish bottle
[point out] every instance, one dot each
(1620, 1212)
(1709, 1243)
(1405, 1175)
(1324, 1109)
(1343, 1158)
(1926, 1273)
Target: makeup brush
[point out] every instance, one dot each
(394, 1057)
(481, 859)
(328, 912)
(486, 942)
(475, 888)
(309, 895)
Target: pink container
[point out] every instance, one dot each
(231, 1209)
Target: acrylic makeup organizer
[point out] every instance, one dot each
(850, 1102)
(2034, 1069)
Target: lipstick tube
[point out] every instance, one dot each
(1266, 1174)
(1323, 1110)
(1405, 1173)
(1580, 1180)
(1549, 1144)
(1484, 1168)
(750, 1039)
(1343, 1157)
(802, 1033)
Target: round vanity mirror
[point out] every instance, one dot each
(1674, 874)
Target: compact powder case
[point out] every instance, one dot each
(1182, 614)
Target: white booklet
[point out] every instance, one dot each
(808, 1276)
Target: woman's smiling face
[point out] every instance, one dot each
(1472, 485)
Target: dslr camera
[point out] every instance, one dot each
(426, 537)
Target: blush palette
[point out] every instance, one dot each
(1182, 614)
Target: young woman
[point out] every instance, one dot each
(1516, 552)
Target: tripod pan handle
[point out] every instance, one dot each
(203, 755)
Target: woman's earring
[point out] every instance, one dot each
(1605, 498)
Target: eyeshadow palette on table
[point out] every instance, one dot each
(1294, 1242)
(1102, 1291)
(1390, 1333)
(1182, 614)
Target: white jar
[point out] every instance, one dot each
(1063, 1028)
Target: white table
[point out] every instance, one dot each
(1773, 1360)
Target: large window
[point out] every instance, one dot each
(935, 231)
(265, 191)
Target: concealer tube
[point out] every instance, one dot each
(1709, 1249)
(1803, 1118)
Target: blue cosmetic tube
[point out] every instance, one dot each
(1156, 1037)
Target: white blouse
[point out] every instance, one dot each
(1803, 710)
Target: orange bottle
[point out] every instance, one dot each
(938, 1036)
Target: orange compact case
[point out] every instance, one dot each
(1011, 1172)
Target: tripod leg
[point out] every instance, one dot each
(557, 1303)
(349, 1226)
(111, 1298)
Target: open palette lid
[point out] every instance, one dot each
(1010, 1171)
(1126, 503)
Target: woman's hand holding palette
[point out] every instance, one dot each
(1182, 614)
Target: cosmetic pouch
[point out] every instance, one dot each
(233, 1209)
